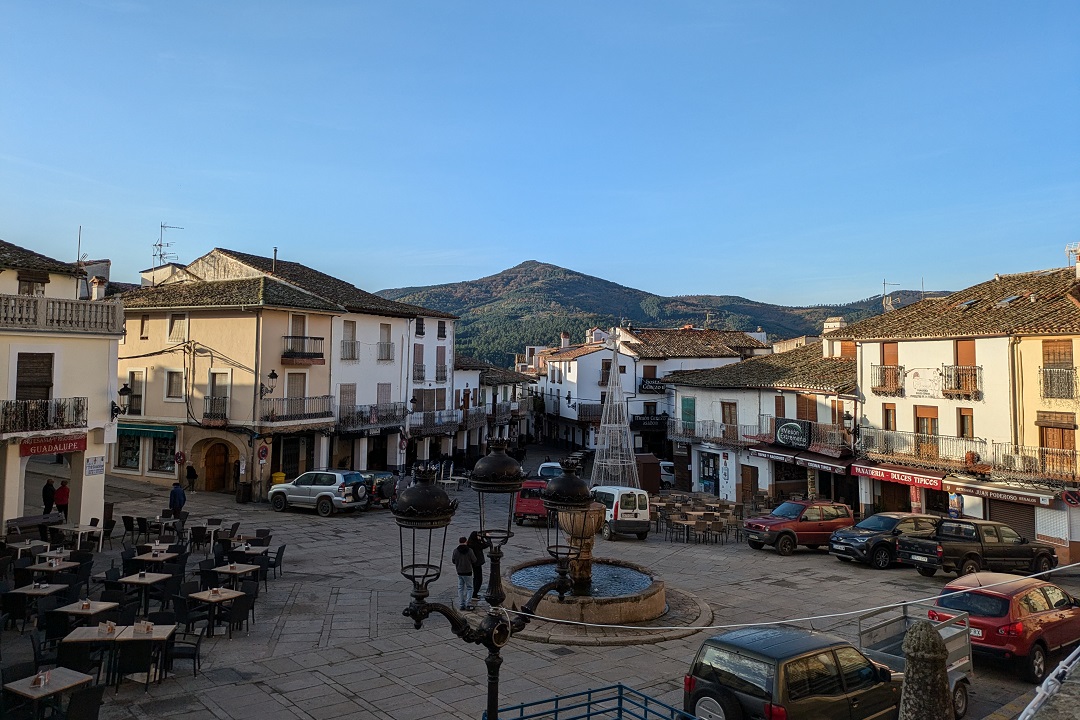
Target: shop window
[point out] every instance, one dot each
(127, 452)
(162, 455)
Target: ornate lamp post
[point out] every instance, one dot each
(425, 509)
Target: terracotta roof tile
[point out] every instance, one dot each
(659, 343)
(19, 258)
(260, 291)
(803, 368)
(491, 374)
(572, 352)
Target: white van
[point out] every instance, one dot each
(627, 511)
(548, 470)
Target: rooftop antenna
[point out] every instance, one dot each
(161, 255)
(1072, 252)
(886, 301)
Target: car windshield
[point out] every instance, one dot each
(550, 471)
(788, 510)
(975, 603)
(351, 478)
(878, 522)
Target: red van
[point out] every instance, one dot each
(529, 504)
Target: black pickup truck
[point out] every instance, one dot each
(967, 546)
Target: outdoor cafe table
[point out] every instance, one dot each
(143, 581)
(253, 551)
(160, 558)
(686, 525)
(61, 679)
(86, 615)
(26, 547)
(235, 571)
(45, 567)
(159, 634)
(80, 531)
(54, 555)
(207, 596)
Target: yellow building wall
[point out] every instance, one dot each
(1028, 361)
(276, 325)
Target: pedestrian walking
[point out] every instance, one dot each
(463, 560)
(177, 498)
(478, 543)
(192, 476)
(63, 494)
(48, 495)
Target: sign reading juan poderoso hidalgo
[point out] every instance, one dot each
(792, 433)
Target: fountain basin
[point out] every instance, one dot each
(621, 593)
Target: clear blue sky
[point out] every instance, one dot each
(794, 152)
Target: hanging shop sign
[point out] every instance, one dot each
(654, 386)
(52, 445)
(897, 474)
(991, 492)
(793, 433)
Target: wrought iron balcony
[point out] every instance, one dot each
(17, 416)
(384, 352)
(937, 452)
(440, 373)
(215, 411)
(1057, 382)
(418, 372)
(298, 409)
(962, 381)
(590, 412)
(302, 350)
(501, 414)
(435, 422)
(887, 379)
(474, 417)
(520, 409)
(44, 314)
(134, 405)
(733, 436)
(369, 417)
(350, 351)
(682, 430)
(1041, 467)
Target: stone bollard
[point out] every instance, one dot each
(925, 695)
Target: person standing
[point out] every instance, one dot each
(192, 476)
(63, 494)
(177, 498)
(463, 560)
(478, 543)
(48, 495)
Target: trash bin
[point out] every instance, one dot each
(243, 492)
(277, 478)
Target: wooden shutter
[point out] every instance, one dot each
(888, 416)
(1057, 353)
(806, 407)
(440, 399)
(382, 393)
(837, 411)
(33, 378)
(648, 371)
(347, 395)
(847, 349)
(729, 413)
(889, 354)
(440, 355)
(965, 422)
(965, 353)
(779, 409)
(295, 385)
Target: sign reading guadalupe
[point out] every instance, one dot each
(652, 385)
(52, 445)
(792, 433)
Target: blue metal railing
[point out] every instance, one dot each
(615, 702)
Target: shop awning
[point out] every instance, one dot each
(140, 430)
(822, 462)
(997, 491)
(772, 452)
(899, 474)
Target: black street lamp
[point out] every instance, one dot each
(267, 388)
(425, 509)
(124, 394)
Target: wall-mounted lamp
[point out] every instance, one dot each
(848, 419)
(125, 400)
(268, 387)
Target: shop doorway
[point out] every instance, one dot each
(895, 497)
(217, 468)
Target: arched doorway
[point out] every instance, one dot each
(217, 468)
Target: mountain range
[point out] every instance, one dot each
(532, 303)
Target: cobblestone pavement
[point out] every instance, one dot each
(329, 639)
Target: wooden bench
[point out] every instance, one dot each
(17, 527)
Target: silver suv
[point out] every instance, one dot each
(324, 490)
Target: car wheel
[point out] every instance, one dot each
(756, 544)
(278, 502)
(605, 532)
(971, 565)
(960, 700)
(722, 707)
(881, 558)
(1043, 565)
(325, 507)
(519, 521)
(642, 536)
(785, 545)
(1035, 664)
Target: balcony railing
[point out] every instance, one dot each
(734, 436)
(34, 312)
(385, 352)
(301, 348)
(366, 417)
(1057, 382)
(887, 379)
(418, 374)
(215, 411)
(1036, 466)
(134, 405)
(350, 351)
(440, 373)
(682, 430)
(435, 422)
(35, 415)
(604, 376)
(520, 409)
(276, 410)
(938, 452)
(501, 414)
(962, 381)
(590, 412)
(473, 418)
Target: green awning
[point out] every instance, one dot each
(158, 431)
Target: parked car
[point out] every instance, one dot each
(873, 540)
(667, 474)
(1014, 618)
(381, 487)
(529, 505)
(626, 511)
(965, 546)
(784, 672)
(548, 470)
(797, 522)
(325, 490)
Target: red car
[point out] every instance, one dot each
(1018, 618)
(797, 522)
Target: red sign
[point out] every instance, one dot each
(985, 490)
(896, 475)
(263, 452)
(52, 445)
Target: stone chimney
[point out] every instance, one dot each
(564, 340)
(97, 287)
